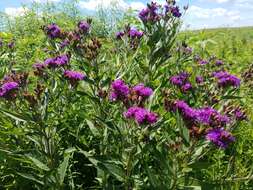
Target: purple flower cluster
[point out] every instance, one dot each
(220, 137)
(84, 26)
(204, 116)
(64, 43)
(239, 114)
(203, 62)
(120, 90)
(39, 66)
(141, 115)
(225, 79)
(119, 35)
(149, 14)
(58, 61)
(219, 62)
(7, 89)
(174, 10)
(181, 81)
(134, 33)
(53, 31)
(11, 45)
(199, 79)
(142, 91)
(74, 75)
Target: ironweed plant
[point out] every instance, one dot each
(141, 111)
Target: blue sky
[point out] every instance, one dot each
(201, 13)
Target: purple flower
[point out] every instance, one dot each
(225, 79)
(74, 75)
(186, 87)
(11, 45)
(189, 114)
(187, 50)
(220, 137)
(39, 66)
(58, 61)
(180, 79)
(174, 10)
(141, 115)
(211, 117)
(64, 43)
(219, 62)
(143, 91)
(199, 79)
(134, 33)
(7, 89)
(53, 31)
(84, 26)
(149, 14)
(120, 90)
(239, 114)
(203, 62)
(204, 116)
(119, 35)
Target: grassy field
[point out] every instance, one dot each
(149, 108)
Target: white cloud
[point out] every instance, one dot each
(213, 13)
(137, 5)
(94, 4)
(14, 12)
(44, 1)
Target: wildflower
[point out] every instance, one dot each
(149, 14)
(186, 87)
(220, 137)
(39, 66)
(180, 79)
(174, 10)
(141, 115)
(204, 116)
(239, 114)
(119, 35)
(211, 117)
(7, 90)
(189, 114)
(120, 90)
(219, 62)
(225, 79)
(64, 43)
(11, 45)
(187, 50)
(58, 61)
(74, 75)
(53, 31)
(199, 79)
(84, 26)
(134, 33)
(142, 91)
(202, 62)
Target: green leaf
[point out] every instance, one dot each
(30, 177)
(63, 168)
(90, 158)
(113, 169)
(15, 116)
(38, 163)
(183, 130)
(93, 129)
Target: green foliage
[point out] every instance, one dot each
(56, 134)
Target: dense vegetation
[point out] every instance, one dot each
(119, 101)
